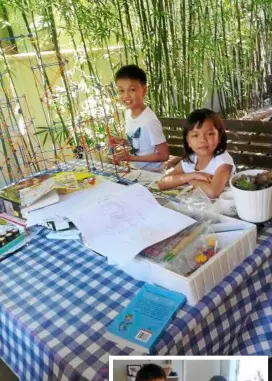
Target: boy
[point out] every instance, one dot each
(151, 372)
(145, 136)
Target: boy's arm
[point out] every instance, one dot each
(218, 182)
(161, 154)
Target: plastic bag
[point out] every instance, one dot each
(202, 246)
(195, 201)
(194, 204)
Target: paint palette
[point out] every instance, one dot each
(11, 237)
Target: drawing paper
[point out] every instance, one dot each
(125, 223)
(116, 221)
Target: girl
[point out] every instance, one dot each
(206, 163)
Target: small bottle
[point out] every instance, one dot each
(9, 237)
(9, 230)
(2, 242)
(15, 232)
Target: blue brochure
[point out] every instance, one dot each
(141, 323)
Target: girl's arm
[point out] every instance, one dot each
(177, 177)
(161, 154)
(218, 182)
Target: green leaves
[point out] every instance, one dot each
(194, 52)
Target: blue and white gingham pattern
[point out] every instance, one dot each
(56, 299)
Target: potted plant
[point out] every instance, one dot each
(252, 190)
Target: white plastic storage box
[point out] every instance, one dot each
(236, 246)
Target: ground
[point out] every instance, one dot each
(5, 373)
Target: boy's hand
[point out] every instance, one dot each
(121, 154)
(114, 140)
(202, 177)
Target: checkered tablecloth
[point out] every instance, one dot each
(56, 299)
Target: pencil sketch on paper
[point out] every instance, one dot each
(118, 220)
(121, 224)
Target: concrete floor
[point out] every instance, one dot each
(6, 374)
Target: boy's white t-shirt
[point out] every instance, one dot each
(144, 133)
(213, 165)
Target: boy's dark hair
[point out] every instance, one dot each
(218, 378)
(198, 117)
(131, 72)
(150, 372)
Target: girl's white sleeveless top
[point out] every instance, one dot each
(212, 166)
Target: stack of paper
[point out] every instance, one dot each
(116, 221)
(121, 225)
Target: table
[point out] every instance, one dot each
(56, 297)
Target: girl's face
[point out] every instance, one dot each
(204, 140)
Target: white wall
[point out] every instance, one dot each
(201, 370)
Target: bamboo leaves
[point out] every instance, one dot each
(195, 52)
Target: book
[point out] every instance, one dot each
(66, 181)
(142, 322)
(28, 191)
(49, 198)
(42, 187)
(29, 196)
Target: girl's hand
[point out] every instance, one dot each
(202, 177)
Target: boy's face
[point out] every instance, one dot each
(131, 93)
(204, 140)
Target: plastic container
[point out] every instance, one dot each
(236, 246)
(227, 204)
(252, 206)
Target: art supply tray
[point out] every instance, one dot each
(13, 245)
(235, 246)
(12, 237)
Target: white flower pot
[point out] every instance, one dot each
(252, 206)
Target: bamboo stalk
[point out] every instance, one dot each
(118, 7)
(132, 34)
(62, 71)
(5, 150)
(240, 54)
(178, 39)
(43, 72)
(18, 100)
(9, 28)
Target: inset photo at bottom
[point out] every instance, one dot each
(192, 368)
